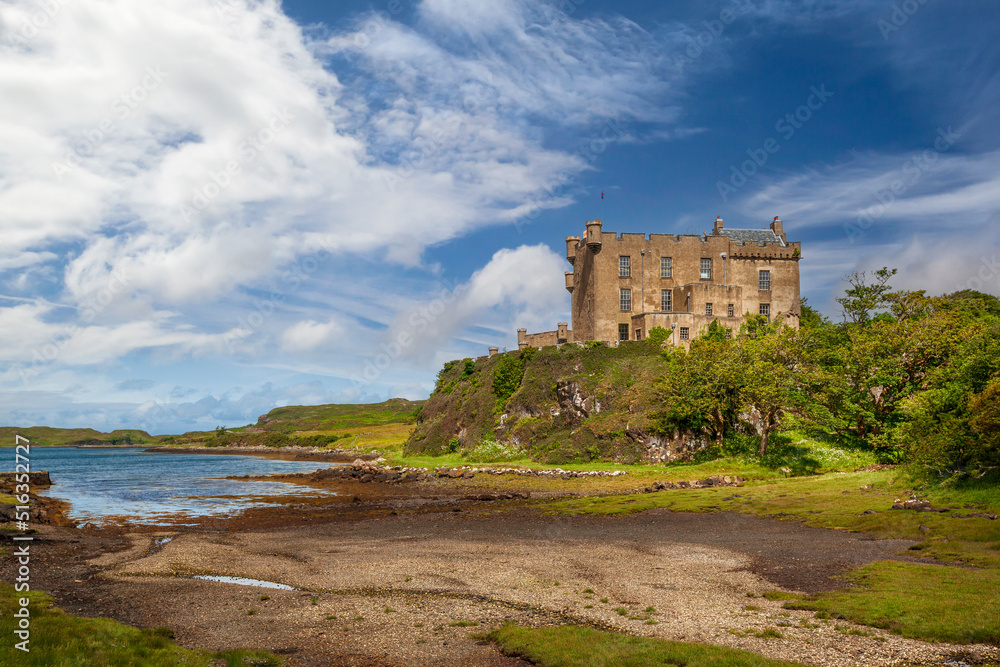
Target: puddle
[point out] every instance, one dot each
(158, 545)
(244, 581)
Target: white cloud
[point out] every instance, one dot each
(186, 151)
(309, 334)
(518, 287)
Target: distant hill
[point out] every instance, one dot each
(322, 418)
(46, 436)
(294, 421)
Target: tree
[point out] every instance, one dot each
(985, 412)
(700, 389)
(717, 332)
(809, 317)
(773, 371)
(863, 299)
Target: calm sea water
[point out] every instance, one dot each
(146, 488)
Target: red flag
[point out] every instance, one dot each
(602, 195)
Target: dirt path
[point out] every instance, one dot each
(406, 589)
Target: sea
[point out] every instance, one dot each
(103, 485)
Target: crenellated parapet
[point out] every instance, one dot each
(748, 250)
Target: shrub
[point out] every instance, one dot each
(490, 451)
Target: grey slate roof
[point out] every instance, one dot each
(753, 236)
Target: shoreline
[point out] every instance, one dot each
(283, 453)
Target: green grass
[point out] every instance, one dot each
(59, 639)
(928, 602)
(570, 646)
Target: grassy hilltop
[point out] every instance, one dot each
(558, 405)
(41, 436)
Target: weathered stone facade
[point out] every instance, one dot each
(623, 285)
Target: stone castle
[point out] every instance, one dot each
(623, 285)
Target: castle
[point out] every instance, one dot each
(624, 285)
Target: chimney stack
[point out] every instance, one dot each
(776, 228)
(718, 225)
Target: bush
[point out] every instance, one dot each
(490, 451)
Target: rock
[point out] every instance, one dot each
(868, 513)
(784, 622)
(923, 529)
(358, 462)
(911, 505)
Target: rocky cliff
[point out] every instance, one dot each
(557, 404)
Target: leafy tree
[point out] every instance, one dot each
(809, 317)
(773, 368)
(861, 301)
(717, 332)
(985, 423)
(700, 389)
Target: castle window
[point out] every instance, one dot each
(624, 266)
(729, 334)
(765, 310)
(625, 301)
(666, 267)
(666, 300)
(706, 268)
(622, 332)
(730, 311)
(708, 309)
(638, 334)
(684, 333)
(764, 281)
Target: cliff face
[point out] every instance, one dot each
(559, 405)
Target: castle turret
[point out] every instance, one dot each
(522, 339)
(562, 332)
(594, 234)
(572, 243)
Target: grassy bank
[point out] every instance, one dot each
(937, 603)
(59, 639)
(582, 647)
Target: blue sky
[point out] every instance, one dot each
(214, 207)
